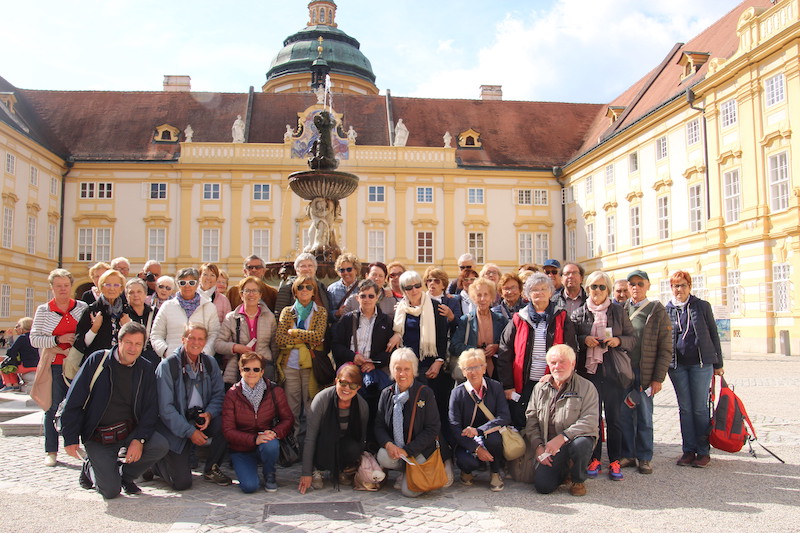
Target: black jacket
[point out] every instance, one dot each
(345, 328)
(427, 425)
(619, 323)
(107, 334)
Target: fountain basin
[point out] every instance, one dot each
(310, 184)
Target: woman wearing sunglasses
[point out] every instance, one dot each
(255, 416)
(336, 434)
(601, 327)
(187, 306)
(99, 325)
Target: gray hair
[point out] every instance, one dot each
(536, 279)
(560, 349)
(59, 273)
(599, 274)
(305, 256)
(466, 257)
(409, 277)
(135, 281)
(404, 354)
(188, 272)
(117, 260)
(162, 279)
(472, 354)
(150, 262)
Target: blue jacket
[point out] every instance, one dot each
(77, 422)
(172, 397)
(462, 408)
(463, 339)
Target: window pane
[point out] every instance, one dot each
(475, 246)
(731, 192)
(525, 248)
(103, 244)
(210, 248)
(779, 182)
(157, 244)
(376, 247)
(261, 243)
(424, 247)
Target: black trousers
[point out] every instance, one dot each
(174, 467)
(546, 479)
(105, 469)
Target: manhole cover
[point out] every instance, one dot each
(315, 511)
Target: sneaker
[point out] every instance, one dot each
(645, 467)
(686, 459)
(614, 471)
(701, 461)
(466, 479)
(84, 480)
(316, 480)
(495, 483)
(270, 484)
(627, 462)
(50, 459)
(215, 475)
(398, 485)
(594, 468)
(130, 488)
(577, 489)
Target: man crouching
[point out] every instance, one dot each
(562, 424)
(111, 405)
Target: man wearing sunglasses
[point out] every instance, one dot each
(348, 267)
(254, 266)
(465, 262)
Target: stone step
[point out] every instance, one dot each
(28, 425)
(19, 415)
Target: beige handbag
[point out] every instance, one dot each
(513, 443)
(42, 389)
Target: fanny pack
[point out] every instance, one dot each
(113, 433)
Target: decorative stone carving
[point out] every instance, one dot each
(352, 135)
(237, 130)
(448, 139)
(400, 134)
(188, 132)
(287, 136)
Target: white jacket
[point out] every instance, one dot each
(168, 326)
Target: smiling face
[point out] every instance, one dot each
(112, 286)
(222, 284)
(403, 374)
(492, 274)
(394, 277)
(187, 287)
(304, 292)
(638, 287)
(621, 292)
(207, 279)
(511, 292)
(164, 289)
(598, 291)
(561, 367)
(539, 296)
(136, 295)
(376, 274)
(130, 347)
(255, 267)
(306, 268)
(347, 272)
(483, 299)
(344, 388)
(367, 300)
(193, 342)
(251, 294)
(252, 370)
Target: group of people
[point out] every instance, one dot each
(417, 364)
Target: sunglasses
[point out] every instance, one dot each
(598, 287)
(167, 287)
(636, 283)
(247, 369)
(551, 272)
(431, 280)
(345, 383)
(464, 267)
(189, 282)
(112, 285)
(346, 269)
(367, 295)
(414, 286)
(305, 287)
(255, 267)
(395, 275)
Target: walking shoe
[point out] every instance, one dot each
(130, 488)
(495, 483)
(84, 480)
(215, 475)
(50, 459)
(594, 468)
(316, 480)
(614, 471)
(686, 459)
(701, 461)
(466, 479)
(627, 462)
(577, 489)
(645, 467)
(270, 485)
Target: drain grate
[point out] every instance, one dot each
(314, 511)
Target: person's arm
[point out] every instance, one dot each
(627, 340)
(226, 337)
(211, 321)
(243, 440)
(79, 390)
(713, 333)
(533, 426)
(214, 406)
(457, 423)
(286, 424)
(41, 336)
(382, 435)
(496, 402)
(167, 410)
(505, 356)
(148, 410)
(588, 420)
(315, 333)
(341, 345)
(158, 333)
(458, 342)
(319, 405)
(662, 329)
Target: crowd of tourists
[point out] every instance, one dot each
(490, 375)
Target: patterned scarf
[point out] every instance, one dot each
(189, 306)
(399, 399)
(427, 324)
(594, 356)
(302, 313)
(254, 395)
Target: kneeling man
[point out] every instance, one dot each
(112, 405)
(562, 424)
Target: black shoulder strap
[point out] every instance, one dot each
(238, 328)
(174, 367)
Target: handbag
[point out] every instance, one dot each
(523, 468)
(42, 389)
(322, 367)
(369, 474)
(72, 364)
(618, 369)
(429, 475)
(513, 443)
(289, 448)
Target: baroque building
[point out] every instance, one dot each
(703, 142)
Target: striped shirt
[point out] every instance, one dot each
(539, 351)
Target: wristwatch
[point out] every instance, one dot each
(142, 441)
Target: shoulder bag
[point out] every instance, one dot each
(617, 368)
(513, 443)
(290, 450)
(427, 476)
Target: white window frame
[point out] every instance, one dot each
(32, 223)
(609, 174)
(476, 245)
(636, 226)
(158, 191)
(211, 191)
(781, 287)
(102, 244)
(778, 172)
(209, 245)
(524, 196)
(8, 226)
(5, 301)
(611, 233)
(376, 193)
(475, 196)
(728, 113)
(572, 245)
(665, 290)
(525, 246)
(662, 148)
(85, 245)
(590, 240)
(34, 178)
(11, 163)
(589, 185)
(53, 186)
(30, 301)
(735, 292)
(52, 239)
(696, 208)
(260, 239)
(774, 90)
(376, 245)
(699, 286)
(633, 162)
(262, 192)
(424, 195)
(570, 194)
(731, 192)
(157, 244)
(105, 190)
(87, 190)
(425, 247)
(662, 203)
(540, 197)
(541, 242)
(693, 132)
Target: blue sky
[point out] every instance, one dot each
(553, 50)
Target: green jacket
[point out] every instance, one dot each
(656, 344)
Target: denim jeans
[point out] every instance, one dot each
(59, 390)
(692, 384)
(246, 464)
(637, 423)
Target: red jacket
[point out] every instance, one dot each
(241, 424)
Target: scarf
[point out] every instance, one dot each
(256, 394)
(115, 309)
(302, 312)
(329, 455)
(399, 399)
(427, 324)
(678, 304)
(189, 306)
(536, 317)
(594, 356)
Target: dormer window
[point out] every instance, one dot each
(691, 62)
(469, 139)
(614, 111)
(167, 134)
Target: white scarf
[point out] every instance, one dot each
(427, 324)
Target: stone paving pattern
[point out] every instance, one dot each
(736, 492)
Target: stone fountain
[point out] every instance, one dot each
(323, 186)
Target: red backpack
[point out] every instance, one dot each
(728, 430)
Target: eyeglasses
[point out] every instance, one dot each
(247, 369)
(255, 267)
(167, 287)
(367, 295)
(474, 368)
(395, 275)
(414, 286)
(636, 283)
(465, 267)
(345, 269)
(431, 280)
(346, 384)
(112, 285)
(680, 286)
(189, 282)
(551, 272)
(469, 280)
(305, 287)
(598, 287)
(251, 291)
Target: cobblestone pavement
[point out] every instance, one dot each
(736, 491)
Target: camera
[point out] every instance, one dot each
(193, 416)
(150, 277)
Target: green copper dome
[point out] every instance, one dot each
(340, 51)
